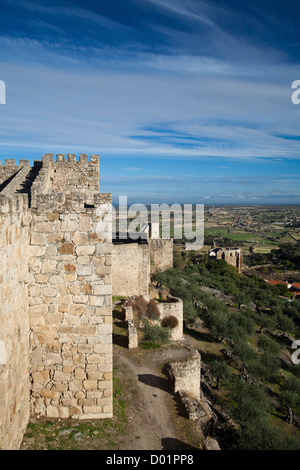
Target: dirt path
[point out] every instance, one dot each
(156, 420)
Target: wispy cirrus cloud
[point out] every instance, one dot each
(182, 81)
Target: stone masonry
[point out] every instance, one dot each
(56, 293)
(141, 261)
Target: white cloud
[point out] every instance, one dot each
(103, 106)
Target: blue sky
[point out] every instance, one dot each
(184, 100)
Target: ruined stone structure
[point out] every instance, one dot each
(185, 375)
(233, 256)
(172, 307)
(56, 293)
(142, 258)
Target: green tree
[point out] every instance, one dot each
(251, 412)
(220, 370)
(285, 324)
(269, 361)
(242, 298)
(216, 320)
(290, 396)
(189, 311)
(245, 353)
(239, 326)
(265, 321)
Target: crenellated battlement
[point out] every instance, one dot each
(58, 158)
(70, 158)
(68, 174)
(12, 162)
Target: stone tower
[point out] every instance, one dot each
(56, 293)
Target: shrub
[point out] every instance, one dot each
(139, 306)
(156, 332)
(152, 311)
(169, 322)
(142, 303)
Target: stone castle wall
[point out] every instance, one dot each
(57, 269)
(133, 264)
(130, 269)
(56, 293)
(70, 311)
(14, 320)
(161, 254)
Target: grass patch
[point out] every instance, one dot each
(150, 345)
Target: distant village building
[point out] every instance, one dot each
(274, 282)
(233, 256)
(292, 287)
(295, 288)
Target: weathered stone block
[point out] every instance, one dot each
(63, 412)
(66, 249)
(70, 277)
(42, 278)
(84, 270)
(49, 394)
(52, 412)
(96, 300)
(76, 309)
(94, 359)
(55, 237)
(38, 238)
(90, 384)
(41, 377)
(60, 376)
(69, 226)
(95, 375)
(86, 288)
(84, 223)
(85, 250)
(75, 411)
(102, 289)
(44, 227)
(85, 348)
(70, 268)
(80, 374)
(52, 216)
(75, 385)
(80, 238)
(49, 266)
